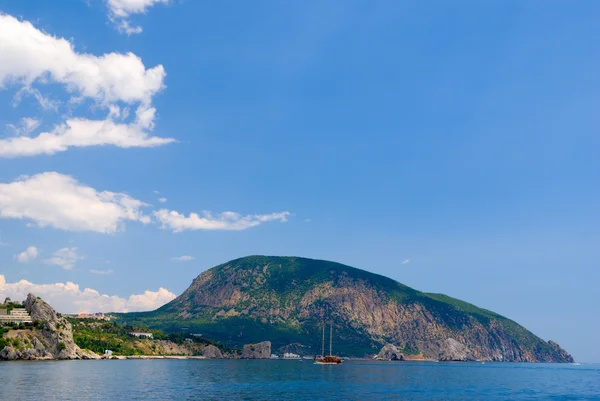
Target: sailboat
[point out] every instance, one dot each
(327, 359)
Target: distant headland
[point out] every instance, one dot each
(263, 307)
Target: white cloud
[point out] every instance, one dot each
(31, 57)
(28, 55)
(120, 10)
(69, 298)
(65, 258)
(149, 300)
(162, 200)
(184, 258)
(79, 132)
(225, 221)
(405, 261)
(57, 200)
(27, 255)
(101, 272)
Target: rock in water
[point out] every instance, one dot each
(212, 352)
(389, 353)
(257, 351)
(9, 354)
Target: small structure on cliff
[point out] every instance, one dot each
(17, 316)
(12, 312)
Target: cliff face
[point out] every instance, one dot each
(288, 299)
(389, 352)
(53, 340)
(261, 350)
(212, 352)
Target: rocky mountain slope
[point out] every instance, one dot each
(287, 300)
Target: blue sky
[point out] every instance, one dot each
(452, 146)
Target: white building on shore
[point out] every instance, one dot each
(139, 334)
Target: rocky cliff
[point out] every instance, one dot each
(51, 337)
(389, 352)
(212, 352)
(261, 350)
(288, 299)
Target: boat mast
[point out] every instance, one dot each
(330, 338)
(323, 343)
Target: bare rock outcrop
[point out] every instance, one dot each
(212, 352)
(452, 350)
(277, 293)
(9, 354)
(389, 353)
(54, 340)
(257, 351)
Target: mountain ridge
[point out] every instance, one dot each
(287, 299)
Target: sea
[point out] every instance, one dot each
(295, 380)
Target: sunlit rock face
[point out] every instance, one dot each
(289, 300)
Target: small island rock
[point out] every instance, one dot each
(257, 351)
(212, 352)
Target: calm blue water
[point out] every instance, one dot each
(294, 380)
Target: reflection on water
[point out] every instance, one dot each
(297, 380)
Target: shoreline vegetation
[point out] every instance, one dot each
(126, 341)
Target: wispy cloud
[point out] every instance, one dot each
(65, 258)
(162, 200)
(121, 10)
(184, 258)
(178, 222)
(406, 261)
(81, 132)
(25, 126)
(101, 272)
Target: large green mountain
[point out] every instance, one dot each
(288, 299)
